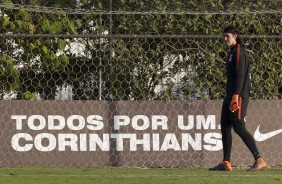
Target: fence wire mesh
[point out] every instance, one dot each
(149, 77)
(50, 53)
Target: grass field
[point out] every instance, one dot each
(136, 175)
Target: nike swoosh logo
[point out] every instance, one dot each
(258, 136)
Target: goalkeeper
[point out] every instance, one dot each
(234, 108)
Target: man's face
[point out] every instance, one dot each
(229, 39)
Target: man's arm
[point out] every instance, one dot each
(241, 69)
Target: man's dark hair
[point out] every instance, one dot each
(233, 30)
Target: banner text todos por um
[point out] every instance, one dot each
(162, 141)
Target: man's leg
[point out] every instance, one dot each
(226, 127)
(226, 138)
(240, 129)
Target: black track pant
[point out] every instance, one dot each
(237, 121)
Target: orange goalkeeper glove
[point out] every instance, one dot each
(234, 105)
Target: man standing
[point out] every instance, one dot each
(234, 108)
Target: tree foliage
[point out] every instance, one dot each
(9, 75)
(158, 65)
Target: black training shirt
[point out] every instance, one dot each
(238, 72)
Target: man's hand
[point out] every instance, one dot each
(234, 105)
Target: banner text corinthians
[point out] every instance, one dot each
(139, 132)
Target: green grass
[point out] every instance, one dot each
(34, 175)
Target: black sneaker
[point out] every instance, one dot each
(224, 166)
(259, 165)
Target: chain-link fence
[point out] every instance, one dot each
(149, 77)
(132, 55)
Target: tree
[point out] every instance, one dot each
(161, 65)
(39, 59)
